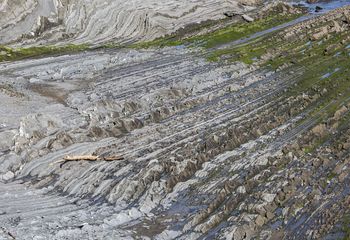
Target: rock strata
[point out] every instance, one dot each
(253, 145)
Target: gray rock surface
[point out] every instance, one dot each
(211, 150)
(100, 21)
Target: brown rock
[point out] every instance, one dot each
(346, 145)
(336, 27)
(260, 221)
(321, 34)
(270, 215)
(320, 130)
(339, 113)
(239, 233)
(277, 235)
(250, 2)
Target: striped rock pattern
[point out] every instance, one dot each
(97, 21)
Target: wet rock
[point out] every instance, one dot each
(318, 9)
(312, 1)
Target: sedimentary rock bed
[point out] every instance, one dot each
(253, 145)
(97, 21)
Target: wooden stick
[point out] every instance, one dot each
(88, 158)
(114, 158)
(82, 157)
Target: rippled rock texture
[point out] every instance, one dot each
(100, 21)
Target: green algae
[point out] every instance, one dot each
(13, 54)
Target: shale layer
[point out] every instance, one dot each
(240, 140)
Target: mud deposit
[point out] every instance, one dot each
(246, 140)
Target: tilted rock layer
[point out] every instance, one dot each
(96, 21)
(211, 149)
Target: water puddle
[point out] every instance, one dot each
(337, 54)
(327, 75)
(322, 6)
(308, 45)
(180, 47)
(264, 32)
(276, 225)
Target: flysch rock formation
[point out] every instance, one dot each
(100, 21)
(222, 149)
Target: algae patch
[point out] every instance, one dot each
(13, 54)
(222, 36)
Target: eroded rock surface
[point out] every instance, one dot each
(211, 149)
(97, 21)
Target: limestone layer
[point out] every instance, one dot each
(98, 21)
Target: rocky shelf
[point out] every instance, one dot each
(231, 130)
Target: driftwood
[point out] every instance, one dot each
(88, 158)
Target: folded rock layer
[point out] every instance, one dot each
(98, 21)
